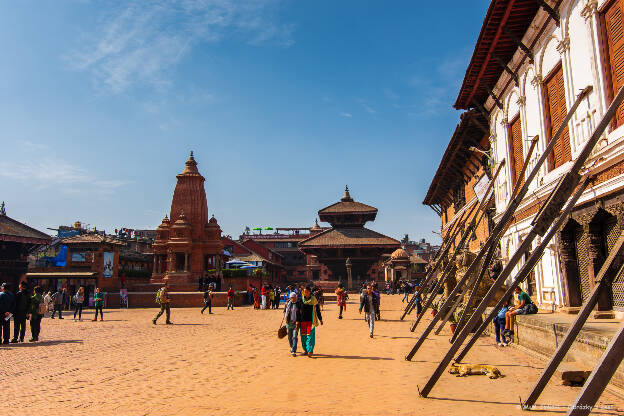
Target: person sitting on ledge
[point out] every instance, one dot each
(524, 306)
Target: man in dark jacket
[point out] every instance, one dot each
(370, 304)
(7, 305)
(22, 306)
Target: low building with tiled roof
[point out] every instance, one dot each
(17, 240)
(349, 239)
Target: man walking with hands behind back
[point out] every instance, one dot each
(162, 297)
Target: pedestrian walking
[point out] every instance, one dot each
(78, 303)
(162, 297)
(59, 301)
(406, 291)
(292, 316)
(310, 319)
(341, 299)
(7, 305)
(208, 295)
(418, 300)
(37, 310)
(230, 298)
(48, 301)
(98, 302)
(370, 304)
(20, 312)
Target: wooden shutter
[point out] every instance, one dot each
(557, 110)
(614, 25)
(515, 142)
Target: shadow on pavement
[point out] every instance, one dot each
(352, 357)
(34, 344)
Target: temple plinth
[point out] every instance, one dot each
(348, 238)
(188, 244)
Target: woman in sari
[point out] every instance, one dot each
(310, 319)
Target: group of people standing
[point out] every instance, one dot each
(268, 297)
(26, 305)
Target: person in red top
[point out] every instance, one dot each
(230, 298)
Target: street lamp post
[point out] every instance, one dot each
(349, 280)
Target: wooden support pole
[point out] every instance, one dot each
(604, 280)
(554, 210)
(468, 232)
(490, 254)
(600, 377)
(525, 246)
(452, 236)
(446, 246)
(498, 230)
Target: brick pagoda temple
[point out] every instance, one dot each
(348, 239)
(188, 244)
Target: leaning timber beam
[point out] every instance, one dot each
(452, 236)
(490, 255)
(544, 220)
(600, 377)
(605, 278)
(467, 233)
(499, 229)
(446, 246)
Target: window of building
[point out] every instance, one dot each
(556, 111)
(614, 33)
(515, 150)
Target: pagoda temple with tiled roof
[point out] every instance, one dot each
(188, 244)
(348, 239)
(17, 240)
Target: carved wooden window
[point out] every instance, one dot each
(515, 147)
(556, 110)
(613, 19)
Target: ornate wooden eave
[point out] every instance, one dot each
(457, 159)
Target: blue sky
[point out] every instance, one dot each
(283, 103)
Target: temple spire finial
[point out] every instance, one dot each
(347, 195)
(2, 208)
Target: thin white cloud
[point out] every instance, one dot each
(50, 172)
(366, 106)
(347, 115)
(140, 41)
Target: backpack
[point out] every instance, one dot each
(159, 295)
(42, 308)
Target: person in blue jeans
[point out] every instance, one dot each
(406, 292)
(499, 325)
(417, 300)
(292, 316)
